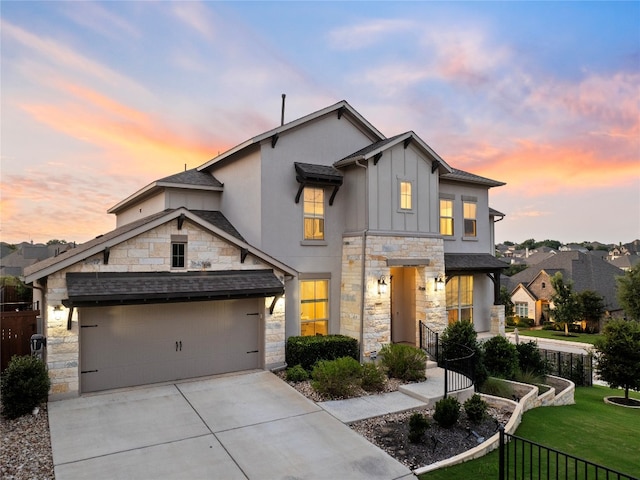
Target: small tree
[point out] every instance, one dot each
(566, 309)
(591, 306)
(628, 292)
(618, 359)
(505, 299)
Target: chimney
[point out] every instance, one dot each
(284, 95)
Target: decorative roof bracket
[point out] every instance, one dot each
(407, 141)
(377, 158)
(273, 304)
(300, 189)
(243, 254)
(340, 112)
(333, 195)
(181, 219)
(105, 255)
(274, 140)
(435, 165)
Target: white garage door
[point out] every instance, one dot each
(130, 345)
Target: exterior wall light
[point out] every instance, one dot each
(382, 285)
(58, 313)
(438, 284)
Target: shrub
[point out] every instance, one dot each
(528, 376)
(418, 424)
(530, 359)
(497, 388)
(306, 351)
(500, 357)
(447, 412)
(404, 362)
(25, 384)
(339, 378)
(476, 408)
(463, 333)
(297, 374)
(373, 378)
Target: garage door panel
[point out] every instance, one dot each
(140, 344)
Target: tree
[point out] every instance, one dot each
(618, 358)
(55, 241)
(628, 292)
(592, 308)
(566, 309)
(505, 299)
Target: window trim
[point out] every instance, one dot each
(470, 201)
(441, 217)
(521, 305)
(177, 256)
(315, 278)
(314, 241)
(408, 182)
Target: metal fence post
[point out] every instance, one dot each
(501, 454)
(446, 377)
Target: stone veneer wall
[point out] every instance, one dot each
(148, 252)
(430, 304)
(497, 320)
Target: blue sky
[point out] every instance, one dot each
(99, 99)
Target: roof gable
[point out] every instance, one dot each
(341, 109)
(215, 223)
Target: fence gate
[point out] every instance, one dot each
(17, 328)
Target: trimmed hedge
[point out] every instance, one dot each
(307, 351)
(24, 385)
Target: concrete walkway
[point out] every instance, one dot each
(243, 426)
(412, 395)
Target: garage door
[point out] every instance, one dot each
(130, 345)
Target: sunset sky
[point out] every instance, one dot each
(100, 99)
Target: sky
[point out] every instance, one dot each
(99, 99)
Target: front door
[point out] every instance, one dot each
(403, 305)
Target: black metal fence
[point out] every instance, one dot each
(458, 361)
(521, 459)
(573, 366)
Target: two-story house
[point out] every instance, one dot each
(319, 226)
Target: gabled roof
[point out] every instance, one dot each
(193, 179)
(133, 229)
(457, 175)
(377, 148)
(495, 213)
(524, 288)
(342, 108)
(586, 271)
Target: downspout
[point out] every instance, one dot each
(362, 263)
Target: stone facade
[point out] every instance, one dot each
(365, 312)
(497, 320)
(148, 252)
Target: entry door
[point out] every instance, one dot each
(140, 344)
(403, 305)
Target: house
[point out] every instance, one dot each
(531, 289)
(319, 226)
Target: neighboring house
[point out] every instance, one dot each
(319, 226)
(27, 254)
(625, 262)
(531, 289)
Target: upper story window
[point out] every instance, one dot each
(469, 212)
(405, 195)
(313, 213)
(178, 251)
(446, 216)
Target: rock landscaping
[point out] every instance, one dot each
(25, 447)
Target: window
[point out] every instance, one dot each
(469, 218)
(313, 214)
(459, 293)
(178, 253)
(314, 307)
(446, 217)
(405, 195)
(522, 309)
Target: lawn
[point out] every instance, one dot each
(590, 429)
(555, 335)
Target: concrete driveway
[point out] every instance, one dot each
(250, 425)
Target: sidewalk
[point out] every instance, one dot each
(409, 396)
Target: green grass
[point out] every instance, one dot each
(590, 429)
(555, 335)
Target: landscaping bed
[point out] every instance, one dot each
(390, 432)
